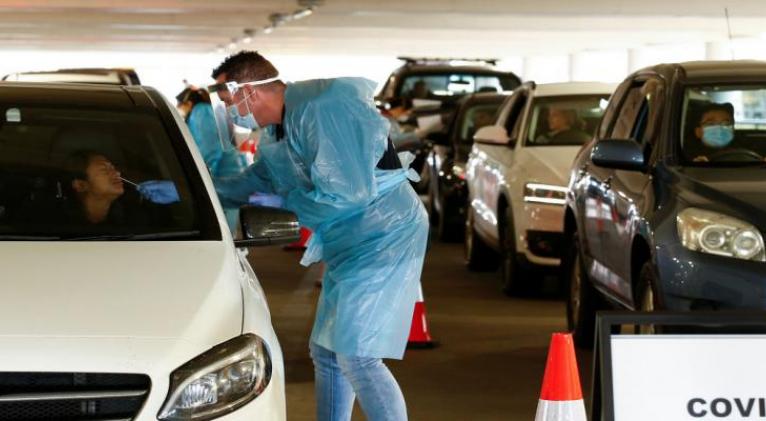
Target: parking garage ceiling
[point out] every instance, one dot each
(424, 27)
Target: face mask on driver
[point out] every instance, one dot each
(718, 135)
(248, 121)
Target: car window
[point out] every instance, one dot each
(86, 173)
(724, 125)
(611, 109)
(474, 118)
(513, 123)
(451, 84)
(629, 113)
(639, 113)
(564, 120)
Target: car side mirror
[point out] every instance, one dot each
(495, 135)
(266, 226)
(621, 154)
(438, 138)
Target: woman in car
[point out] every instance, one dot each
(97, 186)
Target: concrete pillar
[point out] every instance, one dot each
(718, 50)
(574, 62)
(525, 68)
(634, 60)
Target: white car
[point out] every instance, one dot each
(123, 295)
(517, 174)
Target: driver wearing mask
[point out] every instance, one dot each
(713, 134)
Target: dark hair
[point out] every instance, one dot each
(245, 66)
(714, 106)
(77, 163)
(195, 95)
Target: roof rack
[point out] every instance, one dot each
(442, 60)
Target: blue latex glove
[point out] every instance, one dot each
(162, 192)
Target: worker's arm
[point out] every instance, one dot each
(236, 190)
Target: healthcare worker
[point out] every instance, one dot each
(325, 150)
(219, 154)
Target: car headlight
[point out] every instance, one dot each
(545, 193)
(722, 235)
(219, 381)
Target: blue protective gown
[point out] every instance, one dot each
(370, 227)
(220, 156)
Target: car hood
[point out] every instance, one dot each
(551, 163)
(735, 190)
(159, 290)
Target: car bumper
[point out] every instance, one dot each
(690, 280)
(154, 357)
(539, 229)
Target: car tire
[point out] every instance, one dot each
(448, 232)
(433, 216)
(511, 281)
(581, 296)
(478, 255)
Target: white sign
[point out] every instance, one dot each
(689, 377)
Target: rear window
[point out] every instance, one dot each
(450, 84)
(94, 174)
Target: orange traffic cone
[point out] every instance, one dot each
(561, 395)
(300, 244)
(419, 336)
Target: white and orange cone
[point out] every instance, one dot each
(561, 395)
(419, 335)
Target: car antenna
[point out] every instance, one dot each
(728, 27)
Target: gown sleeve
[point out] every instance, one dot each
(342, 140)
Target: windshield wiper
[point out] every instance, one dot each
(137, 237)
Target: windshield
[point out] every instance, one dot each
(724, 125)
(565, 120)
(474, 118)
(91, 174)
(430, 85)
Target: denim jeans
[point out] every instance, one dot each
(340, 379)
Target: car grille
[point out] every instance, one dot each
(72, 396)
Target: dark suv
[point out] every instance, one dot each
(666, 208)
(445, 79)
(440, 83)
(99, 76)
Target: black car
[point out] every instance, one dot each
(438, 83)
(445, 79)
(446, 162)
(99, 76)
(667, 206)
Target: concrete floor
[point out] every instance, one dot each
(492, 349)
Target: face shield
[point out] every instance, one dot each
(234, 118)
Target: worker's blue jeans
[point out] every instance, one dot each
(339, 379)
